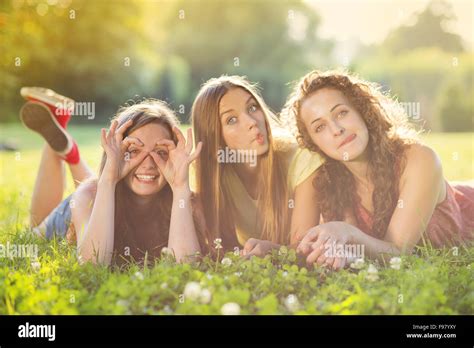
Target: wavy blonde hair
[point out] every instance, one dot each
(389, 135)
(217, 202)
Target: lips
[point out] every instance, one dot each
(347, 140)
(260, 139)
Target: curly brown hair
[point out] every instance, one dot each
(389, 135)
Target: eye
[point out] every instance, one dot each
(342, 113)
(231, 120)
(253, 108)
(162, 153)
(319, 128)
(133, 152)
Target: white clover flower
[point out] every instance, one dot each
(230, 308)
(358, 263)
(209, 276)
(192, 291)
(35, 265)
(238, 274)
(226, 261)
(283, 250)
(218, 243)
(205, 296)
(372, 273)
(167, 252)
(164, 285)
(123, 303)
(395, 262)
(138, 275)
(285, 274)
(292, 303)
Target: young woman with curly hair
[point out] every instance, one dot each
(378, 185)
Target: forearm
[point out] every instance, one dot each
(98, 241)
(374, 248)
(182, 238)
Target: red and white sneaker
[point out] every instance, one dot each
(60, 106)
(38, 117)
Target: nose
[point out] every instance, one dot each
(337, 129)
(250, 121)
(148, 162)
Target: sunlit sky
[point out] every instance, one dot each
(371, 20)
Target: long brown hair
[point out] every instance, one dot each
(215, 195)
(389, 135)
(128, 229)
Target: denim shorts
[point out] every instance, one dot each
(58, 222)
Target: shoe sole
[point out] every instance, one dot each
(46, 95)
(38, 118)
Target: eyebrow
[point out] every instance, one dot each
(317, 119)
(249, 98)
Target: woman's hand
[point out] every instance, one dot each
(257, 247)
(119, 162)
(323, 244)
(176, 168)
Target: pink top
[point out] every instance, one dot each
(452, 221)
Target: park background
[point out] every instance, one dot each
(111, 52)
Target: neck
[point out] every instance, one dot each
(248, 175)
(142, 203)
(360, 170)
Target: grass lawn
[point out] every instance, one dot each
(431, 282)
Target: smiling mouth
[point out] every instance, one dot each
(348, 140)
(146, 178)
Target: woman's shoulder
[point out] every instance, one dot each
(421, 162)
(422, 157)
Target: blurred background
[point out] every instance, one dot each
(107, 52)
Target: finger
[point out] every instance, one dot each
(160, 162)
(249, 245)
(319, 246)
(312, 257)
(121, 130)
(180, 136)
(129, 141)
(169, 144)
(339, 263)
(308, 239)
(112, 129)
(196, 152)
(103, 138)
(189, 141)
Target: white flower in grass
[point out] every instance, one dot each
(192, 291)
(358, 263)
(372, 273)
(292, 303)
(138, 275)
(238, 274)
(35, 265)
(123, 303)
(167, 252)
(226, 261)
(205, 296)
(209, 276)
(285, 274)
(164, 285)
(218, 243)
(395, 262)
(230, 308)
(283, 250)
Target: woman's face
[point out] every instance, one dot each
(334, 125)
(146, 179)
(243, 122)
